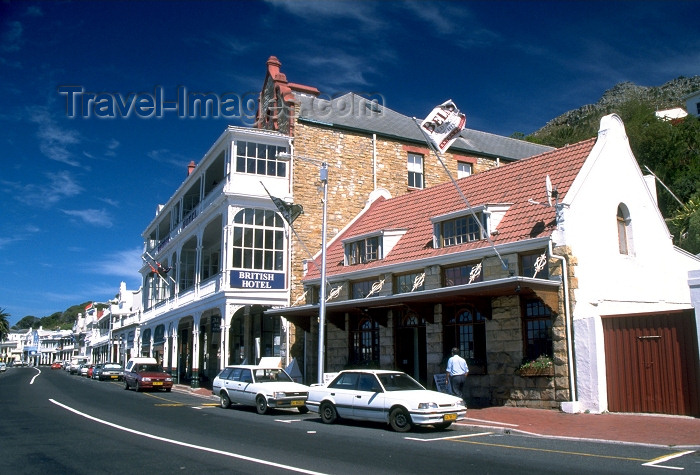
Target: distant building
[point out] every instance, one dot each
(692, 103)
(581, 273)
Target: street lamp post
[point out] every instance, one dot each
(323, 173)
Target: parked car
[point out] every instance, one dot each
(75, 363)
(3, 367)
(386, 396)
(259, 386)
(56, 365)
(96, 371)
(83, 369)
(146, 373)
(112, 371)
(91, 369)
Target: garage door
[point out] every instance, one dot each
(651, 362)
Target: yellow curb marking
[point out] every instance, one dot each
(564, 452)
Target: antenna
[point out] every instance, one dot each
(548, 188)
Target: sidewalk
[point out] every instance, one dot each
(647, 429)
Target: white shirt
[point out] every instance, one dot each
(457, 366)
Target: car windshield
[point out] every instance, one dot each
(149, 367)
(112, 366)
(268, 375)
(399, 382)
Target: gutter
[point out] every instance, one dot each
(567, 317)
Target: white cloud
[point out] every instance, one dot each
(12, 37)
(54, 141)
(165, 155)
(98, 217)
(123, 264)
(56, 187)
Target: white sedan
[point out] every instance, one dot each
(259, 386)
(386, 396)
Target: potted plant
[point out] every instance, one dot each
(541, 366)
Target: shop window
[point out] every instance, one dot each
(466, 330)
(534, 265)
(364, 343)
(462, 274)
(537, 329)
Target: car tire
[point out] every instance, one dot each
(261, 404)
(303, 409)
(126, 385)
(224, 400)
(136, 386)
(167, 390)
(328, 413)
(400, 420)
(442, 425)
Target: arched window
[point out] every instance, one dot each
(623, 229)
(364, 340)
(466, 330)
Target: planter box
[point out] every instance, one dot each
(530, 372)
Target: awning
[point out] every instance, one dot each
(545, 289)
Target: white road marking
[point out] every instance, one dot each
(448, 438)
(490, 422)
(35, 376)
(666, 458)
(185, 444)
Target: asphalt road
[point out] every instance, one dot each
(55, 423)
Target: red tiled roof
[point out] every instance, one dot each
(512, 184)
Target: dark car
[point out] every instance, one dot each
(111, 371)
(96, 371)
(146, 373)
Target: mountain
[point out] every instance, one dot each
(582, 123)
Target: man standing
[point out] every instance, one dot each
(457, 371)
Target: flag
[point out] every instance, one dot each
(443, 125)
(89, 306)
(289, 211)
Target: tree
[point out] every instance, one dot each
(4, 324)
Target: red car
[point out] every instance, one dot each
(56, 366)
(90, 370)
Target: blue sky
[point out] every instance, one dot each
(76, 192)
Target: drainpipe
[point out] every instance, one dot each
(374, 160)
(567, 319)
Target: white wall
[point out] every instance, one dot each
(652, 278)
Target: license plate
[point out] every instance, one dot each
(160, 383)
(297, 403)
(114, 376)
(449, 417)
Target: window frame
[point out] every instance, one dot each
(415, 169)
(464, 169)
(534, 323)
(257, 158)
(253, 230)
(363, 251)
(364, 340)
(466, 330)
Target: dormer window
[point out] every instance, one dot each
(460, 230)
(362, 251)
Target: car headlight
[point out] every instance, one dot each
(168, 379)
(427, 405)
(278, 395)
(146, 380)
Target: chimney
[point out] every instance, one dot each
(190, 168)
